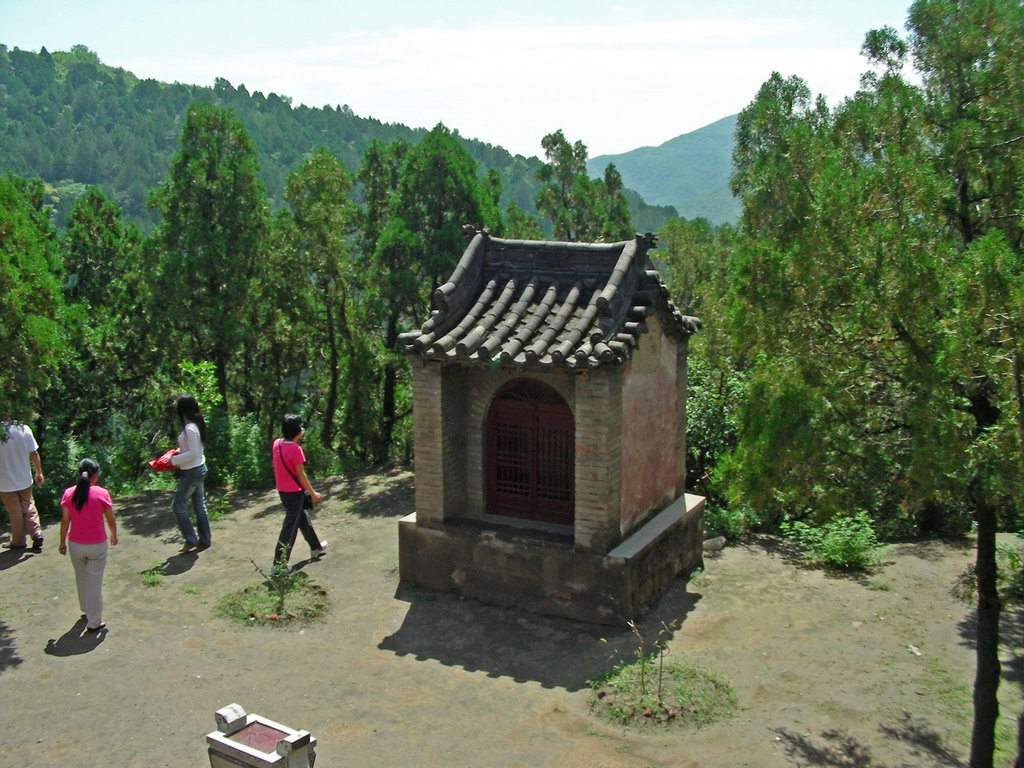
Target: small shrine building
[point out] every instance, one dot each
(549, 410)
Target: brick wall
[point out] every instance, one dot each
(598, 415)
(439, 435)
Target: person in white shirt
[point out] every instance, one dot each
(19, 453)
(190, 460)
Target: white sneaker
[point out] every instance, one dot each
(319, 551)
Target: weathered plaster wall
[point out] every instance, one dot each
(649, 428)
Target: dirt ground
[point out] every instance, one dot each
(872, 673)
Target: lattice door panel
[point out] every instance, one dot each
(530, 460)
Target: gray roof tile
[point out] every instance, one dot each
(534, 303)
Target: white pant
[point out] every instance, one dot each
(89, 561)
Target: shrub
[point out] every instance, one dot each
(683, 694)
(248, 461)
(282, 598)
(731, 522)
(844, 542)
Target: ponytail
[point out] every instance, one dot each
(87, 470)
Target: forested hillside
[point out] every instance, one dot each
(690, 172)
(71, 121)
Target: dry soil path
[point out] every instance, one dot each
(834, 672)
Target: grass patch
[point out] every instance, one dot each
(646, 692)
(280, 599)
(152, 577)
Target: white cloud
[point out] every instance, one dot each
(615, 87)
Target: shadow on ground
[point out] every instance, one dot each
(9, 657)
(838, 749)
(12, 557)
(75, 641)
(381, 492)
(557, 653)
(926, 742)
(146, 514)
(1011, 629)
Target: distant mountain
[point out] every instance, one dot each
(72, 121)
(690, 172)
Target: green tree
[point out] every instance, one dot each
(325, 219)
(418, 200)
(578, 207)
(212, 231)
(696, 257)
(971, 57)
(520, 225)
(31, 338)
(877, 291)
(566, 196)
(616, 223)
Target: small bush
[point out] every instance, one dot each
(678, 693)
(248, 461)
(281, 599)
(731, 522)
(844, 542)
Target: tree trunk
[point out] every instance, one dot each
(327, 435)
(387, 404)
(1018, 392)
(354, 425)
(986, 680)
(220, 368)
(387, 412)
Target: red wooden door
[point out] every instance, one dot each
(530, 455)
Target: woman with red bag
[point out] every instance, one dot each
(190, 461)
(293, 486)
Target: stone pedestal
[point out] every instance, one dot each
(255, 741)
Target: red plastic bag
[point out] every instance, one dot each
(163, 463)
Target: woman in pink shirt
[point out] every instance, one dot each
(84, 508)
(292, 486)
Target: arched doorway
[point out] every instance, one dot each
(530, 453)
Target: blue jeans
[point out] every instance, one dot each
(190, 488)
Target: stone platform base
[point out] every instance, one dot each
(543, 573)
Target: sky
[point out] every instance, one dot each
(614, 75)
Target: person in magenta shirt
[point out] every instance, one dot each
(84, 508)
(291, 481)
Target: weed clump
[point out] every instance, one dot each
(282, 598)
(648, 691)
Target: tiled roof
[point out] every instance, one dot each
(538, 304)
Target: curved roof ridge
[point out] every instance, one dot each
(546, 304)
